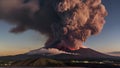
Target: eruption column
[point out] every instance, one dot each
(67, 23)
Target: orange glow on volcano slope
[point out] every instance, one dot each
(63, 45)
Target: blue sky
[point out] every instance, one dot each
(109, 38)
(16, 43)
(107, 41)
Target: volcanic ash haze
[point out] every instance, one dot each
(67, 23)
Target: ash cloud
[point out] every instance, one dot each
(70, 21)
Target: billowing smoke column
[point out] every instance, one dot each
(67, 23)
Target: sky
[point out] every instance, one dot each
(107, 41)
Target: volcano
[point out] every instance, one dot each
(53, 53)
(82, 53)
(56, 57)
(57, 52)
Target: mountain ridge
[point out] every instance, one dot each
(65, 58)
(83, 53)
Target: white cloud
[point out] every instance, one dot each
(49, 51)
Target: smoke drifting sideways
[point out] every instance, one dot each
(67, 22)
(50, 51)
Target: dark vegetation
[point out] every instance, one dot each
(38, 62)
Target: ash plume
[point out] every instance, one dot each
(68, 22)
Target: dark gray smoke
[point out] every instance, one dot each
(70, 21)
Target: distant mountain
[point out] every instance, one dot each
(116, 53)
